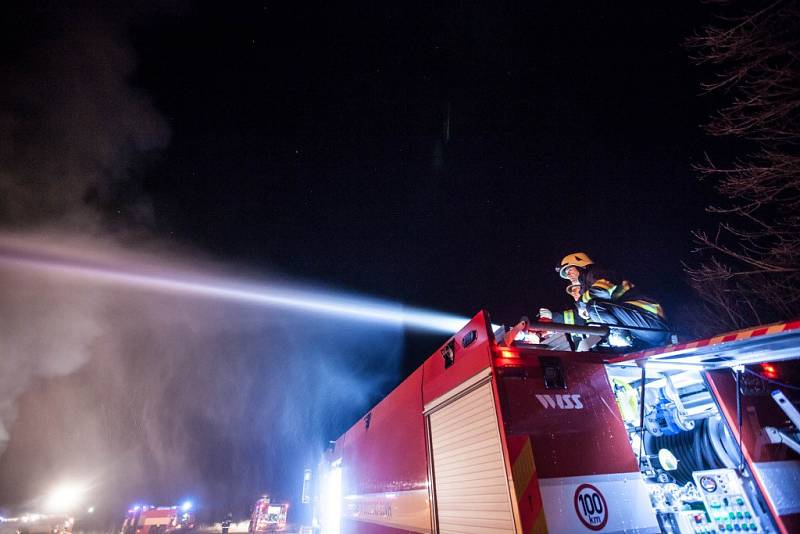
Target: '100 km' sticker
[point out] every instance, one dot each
(590, 505)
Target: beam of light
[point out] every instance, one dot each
(117, 271)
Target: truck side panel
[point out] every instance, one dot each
(470, 479)
(384, 459)
(385, 466)
(776, 467)
(471, 352)
(579, 453)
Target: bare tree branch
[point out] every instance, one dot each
(749, 270)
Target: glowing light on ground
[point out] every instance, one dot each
(65, 497)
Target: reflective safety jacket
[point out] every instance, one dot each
(597, 284)
(568, 317)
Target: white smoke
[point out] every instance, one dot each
(158, 394)
(141, 394)
(71, 125)
(71, 130)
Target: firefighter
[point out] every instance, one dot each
(226, 523)
(606, 300)
(571, 316)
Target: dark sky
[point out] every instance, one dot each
(439, 155)
(312, 140)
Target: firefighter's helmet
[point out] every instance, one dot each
(576, 259)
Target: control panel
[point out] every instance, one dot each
(695, 522)
(727, 504)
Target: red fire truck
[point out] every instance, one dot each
(493, 434)
(268, 516)
(38, 524)
(158, 520)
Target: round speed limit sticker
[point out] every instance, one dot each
(590, 505)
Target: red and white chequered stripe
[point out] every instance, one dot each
(747, 333)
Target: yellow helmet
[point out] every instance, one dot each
(576, 259)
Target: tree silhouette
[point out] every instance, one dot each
(749, 271)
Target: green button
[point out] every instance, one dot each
(739, 501)
(753, 527)
(729, 528)
(745, 527)
(739, 515)
(748, 515)
(731, 515)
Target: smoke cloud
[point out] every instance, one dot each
(72, 128)
(141, 396)
(161, 396)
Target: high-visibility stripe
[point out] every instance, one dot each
(523, 468)
(604, 285)
(621, 289)
(539, 526)
(747, 333)
(647, 306)
(569, 317)
(526, 485)
(586, 297)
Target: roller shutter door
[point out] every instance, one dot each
(470, 485)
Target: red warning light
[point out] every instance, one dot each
(508, 354)
(769, 370)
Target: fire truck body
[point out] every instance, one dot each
(490, 438)
(268, 516)
(157, 520)
(762, 361)
(775, 468)
(38, 524)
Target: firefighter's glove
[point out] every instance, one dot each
(544, 313)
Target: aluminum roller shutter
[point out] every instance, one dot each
(470, 485)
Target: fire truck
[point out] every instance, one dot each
(268, 516)
(497, 432)
(158, 519)
(38, 524)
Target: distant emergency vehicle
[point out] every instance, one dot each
(268, 516)
(38, 524)
(493, 434)
(157, 520)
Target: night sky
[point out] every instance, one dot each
(314, 141)
(439, 155)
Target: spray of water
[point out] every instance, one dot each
(108, 379)
(132, 369)
(148, 276)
